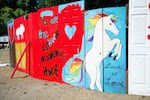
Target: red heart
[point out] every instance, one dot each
(148, 36)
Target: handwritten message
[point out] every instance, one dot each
(43, 35)
(113, 77)
(50, 41)
(51, 21)
(52, 71)
(51, 55)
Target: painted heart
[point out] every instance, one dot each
(70, 31)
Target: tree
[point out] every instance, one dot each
(6, 14)
(19, 12)
(23, 4)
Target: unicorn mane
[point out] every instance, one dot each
(95, 18)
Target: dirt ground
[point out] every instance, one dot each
(24, 87)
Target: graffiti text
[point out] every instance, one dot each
(52, 21)
(115, 83)
(50, 71)
(51, 55)
(43, 35)
(50, 41)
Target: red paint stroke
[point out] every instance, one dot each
(149, 6)
(148, 36)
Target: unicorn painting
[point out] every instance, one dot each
(102, 46)
(102, 52)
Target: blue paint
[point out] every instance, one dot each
(70, 31)
(10, 23)
(46, 13)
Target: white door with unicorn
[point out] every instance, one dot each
(105, 49)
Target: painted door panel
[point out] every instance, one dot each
(115, 65)
(21, 38)
(110, 71)
(71, 19)
(94, 73)
(44, 44)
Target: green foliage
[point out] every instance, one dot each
(6, 14)
(23, 3)
(19, 12)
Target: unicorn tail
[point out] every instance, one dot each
(82, 72)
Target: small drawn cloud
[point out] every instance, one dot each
(46, 13)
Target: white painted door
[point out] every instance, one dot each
(139, 47)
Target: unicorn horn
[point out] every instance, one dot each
(116, 17)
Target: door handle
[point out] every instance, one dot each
(148, 36)
(149, 6)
